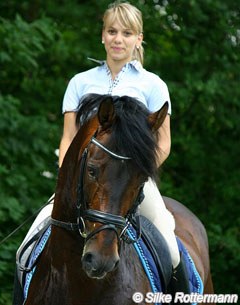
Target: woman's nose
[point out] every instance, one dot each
(118, 37)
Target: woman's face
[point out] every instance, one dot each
(120, 42)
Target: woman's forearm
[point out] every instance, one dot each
(64, 145)
(69, 131)
(164, 141)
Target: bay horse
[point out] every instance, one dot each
(86, 260)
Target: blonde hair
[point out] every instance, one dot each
(130, 17)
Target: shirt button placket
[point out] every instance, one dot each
(114, 83)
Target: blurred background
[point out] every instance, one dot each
(193, 45)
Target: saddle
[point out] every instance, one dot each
(155, 250)
(23, 262)
(158, 249)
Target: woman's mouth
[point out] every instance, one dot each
(117, 49)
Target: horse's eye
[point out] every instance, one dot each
(92, 171)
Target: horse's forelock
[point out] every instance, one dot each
(132, 136)
(130, 133)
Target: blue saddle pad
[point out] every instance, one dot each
(33, 258)
(195, 282)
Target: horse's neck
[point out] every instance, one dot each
(65, 194)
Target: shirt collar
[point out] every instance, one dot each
(134, 63)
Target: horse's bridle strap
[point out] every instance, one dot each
(111, 153)
(102, 228)
(70, 226)
(94, 216)
(105, 218)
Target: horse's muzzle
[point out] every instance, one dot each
(97, 266)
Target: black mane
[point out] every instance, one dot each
(131, 134)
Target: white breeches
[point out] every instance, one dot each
(153, 208)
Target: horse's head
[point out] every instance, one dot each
(116, 163)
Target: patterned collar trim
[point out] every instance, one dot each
(134, 63)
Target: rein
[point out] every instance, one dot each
(109, 221)
(26, 221)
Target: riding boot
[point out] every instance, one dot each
(179, 281)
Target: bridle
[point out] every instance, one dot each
(116, 223)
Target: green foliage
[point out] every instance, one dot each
(203, 171)
(193, 45)
(29, 133)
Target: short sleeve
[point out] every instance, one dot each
(159, 95)
(71, 97)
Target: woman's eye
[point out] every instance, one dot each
(111, 32)
(127, 33)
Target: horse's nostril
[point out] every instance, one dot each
(88, 257)
(88, 262)
(116, 264)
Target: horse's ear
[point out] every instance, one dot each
(106, 113)
(156, 119)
